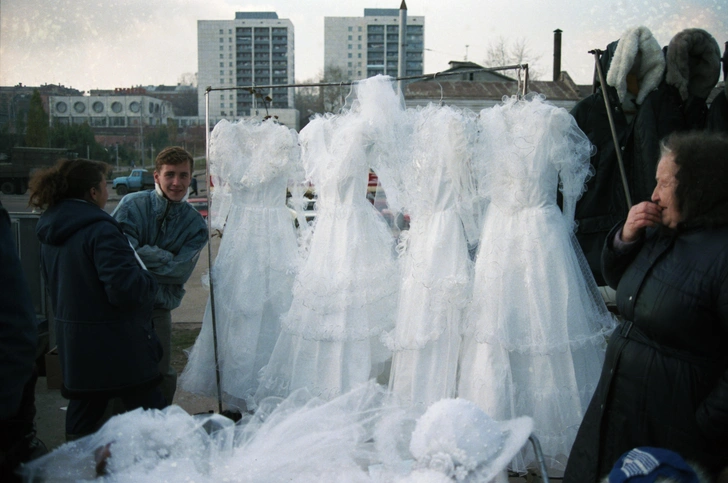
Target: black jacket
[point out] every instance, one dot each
(718, 114)
(665, 376)
(102, 301)
(18, 326)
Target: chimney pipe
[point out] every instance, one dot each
(557, 55)
(402, 59)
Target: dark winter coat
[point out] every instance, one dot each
(102, 301)
(661, 112)
(665, 376)
(18, 326)
(718, 114)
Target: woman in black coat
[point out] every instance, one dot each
(665, 376)
(102, 297)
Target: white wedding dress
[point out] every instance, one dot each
(344, 296)
(251, 165)
(535, 337)
(438, 194)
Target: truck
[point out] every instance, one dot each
(16, 170)
(138, 180)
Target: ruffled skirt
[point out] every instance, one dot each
(535, 338)
(253, 276)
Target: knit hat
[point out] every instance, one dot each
(645, 465)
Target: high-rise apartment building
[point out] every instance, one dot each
(365, 46)
(255, 49)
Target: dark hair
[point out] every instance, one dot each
(173, 155)
(702, 176)
(69, 178)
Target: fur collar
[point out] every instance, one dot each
(636, 41)
(693, 63)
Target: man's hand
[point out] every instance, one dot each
(641, 216)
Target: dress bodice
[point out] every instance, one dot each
(529, 148)
(437, 176)
(251, 163)
(335, 156)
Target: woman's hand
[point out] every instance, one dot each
(640, 217)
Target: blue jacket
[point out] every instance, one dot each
(18, 327)
(168, 236)
(102, 301)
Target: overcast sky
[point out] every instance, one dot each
(89, 44)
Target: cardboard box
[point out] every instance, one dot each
(54, 377)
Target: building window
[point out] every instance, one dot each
(222, 97)
(222, 104)
(349, 46)
(221, 47)
(222, 81)
(222, 40)
(230, 56)
(349, 55)
(349, 64)
(230, 31)
(230, 48)
(359, 31)
(221, 56)
(351, 28)
(231, 105)
(222, 72)
(221, 31)
(231, 97)
(360, 37)
(358, 73)
(359, 55)
(349, 37)
(231, 64)
(350, 74)
(358, 46)
(222, 64)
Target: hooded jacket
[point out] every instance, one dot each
(167, 235)
(659, 110)
(665, 377)
(102, 302)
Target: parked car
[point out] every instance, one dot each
(200, 204)
(138, 179)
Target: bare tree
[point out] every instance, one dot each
(503, 52)
(308, 101)
(334, 98)
(188, 79)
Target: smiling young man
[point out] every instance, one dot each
(168, 235)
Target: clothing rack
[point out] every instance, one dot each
(522, 87)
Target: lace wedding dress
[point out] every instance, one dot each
(345, 293)
(535, 337)
(436, 279)
(251, 165)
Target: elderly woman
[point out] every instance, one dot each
(101, 295)
(665, 376)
